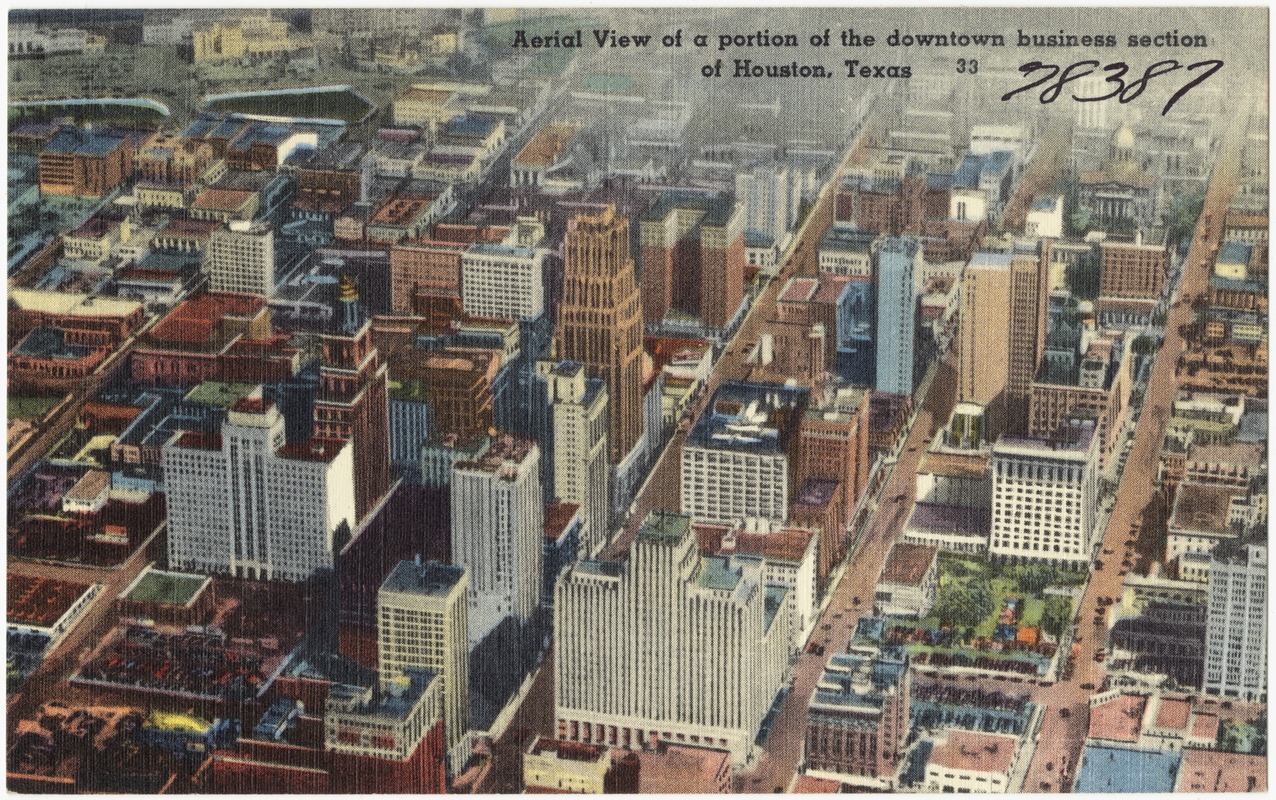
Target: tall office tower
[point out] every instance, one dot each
(1002, 333)
(353, 403)
(740, 457)
(600, 319)
(1236, 622)
(858, 719)
(984, 337)
(244, 503)
(896, 315)
(503, 280)
(421, 623)
(498, 522)
(241, 258)
(770, 196)
(692, 258)
(667, 645)
(1029, 299)
(1044, 493)
(579, 408)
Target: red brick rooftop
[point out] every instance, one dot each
(907, 564)
(1119, 719)
(400, 208)
(1214, 771)
(40, 601)
(1173, 713)
(199, 440)
(975, 752)
(557, 517)
(196, 319)
(789, 544)
(222, 199)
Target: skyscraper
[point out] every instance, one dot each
(1236, 622)
(1029, 297)
(667, 645)
(1002, 333)
(600, 318)
(498, 522)
(242, 502)
(692, 258)
(421, 623)
(896, 315)
(353, 403)
(580, 446)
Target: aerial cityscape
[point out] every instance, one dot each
(622, 400)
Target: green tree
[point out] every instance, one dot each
(1035, 577)
(963, 605)
(1185, 210)
(1056, 615)
(1083, 276)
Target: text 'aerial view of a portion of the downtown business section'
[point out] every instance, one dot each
(637, 400)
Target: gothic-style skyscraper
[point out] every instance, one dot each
(600, 318)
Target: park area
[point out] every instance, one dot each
(998, 617)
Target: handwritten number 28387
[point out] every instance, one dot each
(1123, 91)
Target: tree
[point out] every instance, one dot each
(963, 605)
(1035, 577)
(1055, 616)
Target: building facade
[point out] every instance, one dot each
(581, 473)
(498, 522)
(1236, 623)
(667, 646)
(1044, 493)
(600, 319)
(241, 258)
(422, 624)
(896, 315)
(243, 503)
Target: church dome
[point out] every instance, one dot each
(1123, 138)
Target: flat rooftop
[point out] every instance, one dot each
(1119, 719)
(40, 602)
(907, 563)
(166, 588)
(1203, 508)
(1215, 771)
(1125, 769)
(975, 752)
(544, 147)
(750, 417)
(430, 578)
(943, 519)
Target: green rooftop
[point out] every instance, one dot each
(665, 527)
(166, 588)
(219, 393)
(716, 573)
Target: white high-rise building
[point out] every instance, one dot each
(421, 624)
(244, 503)
(1043, 496)
(735, 464)
(668, 646)
(503, 281)
(579, 408)
(766, 193)
(241, 258)
(498, 524)
(1236, 622)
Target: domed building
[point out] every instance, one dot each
(1120, 194)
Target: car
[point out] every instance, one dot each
(1089, 687)
(1065, 712)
